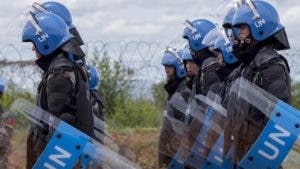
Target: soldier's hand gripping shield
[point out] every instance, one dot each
(261, 129)
(66, 147)
(202, 132)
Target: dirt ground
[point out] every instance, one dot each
(138, 145)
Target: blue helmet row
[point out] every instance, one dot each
(195, 31)
(94, 77)
(172, 57)
(46, 31)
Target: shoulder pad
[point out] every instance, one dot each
(234, 74)
(182, 85)
(209, 62)
(264, 55)
(285, 63)
(96, 96)
(60, 61)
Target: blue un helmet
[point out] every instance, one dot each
(224, 45)
(94, 77)
(46, 31)
(3, 82)
(56, 8)
(172, 58)
(227, 23)
(63, 12)
(186, 55)
(2, 88)
(195, 31)
(263, 21)
(210, 38)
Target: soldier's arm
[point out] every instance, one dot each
(60, 85)
(210, 80)
(275, 80)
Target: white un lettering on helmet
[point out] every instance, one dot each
(197, 36)
(259, 23)
(43, 37)
(228, 48)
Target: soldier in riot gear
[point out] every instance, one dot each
(97, 102)
(7, 122)
(176, 74)
(206, 61)
(191, 67)
(260, 35)
(202, 56)
(63, 90)
(2, 88)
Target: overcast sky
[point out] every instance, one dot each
(149, 20)
(140, 20)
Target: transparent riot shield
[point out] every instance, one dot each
(202, 132)
(58, 145)
(172, 131)
(65, 146)
(261, 128)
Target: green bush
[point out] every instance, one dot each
(136, 114)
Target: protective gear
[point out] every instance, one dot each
(172, 58)
(210, 38)
(63, 89)
(263, 21)
(2, 88)
(211, 62)
(196, 31)
(46, 31)
(56, 8)
(227, 21)
(186, 55)
(94, 77)
(168, 140)
(98, 111)
(173, 85)
(210, 76)
(7, 123)
(227, 24)
(200, 56)
(224, 45)
(270, 71)
(63, 12)
(97, 103)
(213, 71)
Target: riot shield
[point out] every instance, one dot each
(202, 132)
(172, 130)
(261, 128)
(66, 147)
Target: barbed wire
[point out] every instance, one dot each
(141, 58)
